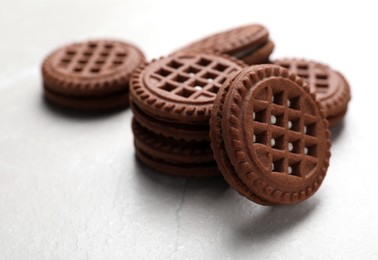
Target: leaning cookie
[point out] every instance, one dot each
(91, 75)
(249, 43)
(330, 86)
(270, 136)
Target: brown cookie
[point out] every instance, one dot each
(190, 170)
(331, 88)
(169, 149)
(181, 88)
(166, 155)
(90, 75)
(186, 132)
(103, 103)
(334, 120)
(249, 43)
(269, 136)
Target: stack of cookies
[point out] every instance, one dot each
(171, 99)
(269, 123)
(218, 106)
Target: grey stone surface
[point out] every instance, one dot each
(70, 187)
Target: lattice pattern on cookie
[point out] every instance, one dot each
(285, 128)
(316, 75)
(195, 78)
(92, 58)
(330, 86)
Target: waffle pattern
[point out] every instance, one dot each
(92, 67)
(277, 151)
(182, 85)
(285, 128)
(92, 58)
(331, 89)
(193, 79)
(316, 75)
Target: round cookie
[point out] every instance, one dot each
(90, 75)
(249, 43)
(200, 170)
(335, 120)
(269, 136)
(170, 150)
(186, 132)
(105, 103)
(181, 88)
(331, 88)
(169, 156)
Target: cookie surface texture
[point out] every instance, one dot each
(86, 72)
(331, 88)
(181, 87)
(270, 136)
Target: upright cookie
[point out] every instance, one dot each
(270, 136)
(331, 88)
(178, 91)
(249, 43)
(91, 75)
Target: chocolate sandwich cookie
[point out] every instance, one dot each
(91, 75)
(186, 132)
(166, 155)
(270, 136)
(249, 43)
(171, 99)
(178, 91)
(331, 88)
(170, 149)
(199, 170)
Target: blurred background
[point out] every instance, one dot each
(71, 189)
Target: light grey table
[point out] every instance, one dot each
(70, 187)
